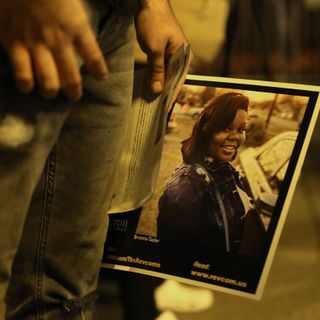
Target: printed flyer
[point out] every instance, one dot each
(232, 154)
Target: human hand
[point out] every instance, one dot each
(159, 36)
(41, 37)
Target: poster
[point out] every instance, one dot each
(232, 155)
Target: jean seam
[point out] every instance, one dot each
(45, 219)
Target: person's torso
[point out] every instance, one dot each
(219, 220)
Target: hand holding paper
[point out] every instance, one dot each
(159, 36)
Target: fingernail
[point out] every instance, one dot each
(157, 86)
(25, 86)
(73, 94)
(48, 94)
(102, 75)
(101, 71)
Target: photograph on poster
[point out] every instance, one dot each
(232, 153)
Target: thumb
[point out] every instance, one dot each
(157, 66)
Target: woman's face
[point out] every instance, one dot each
(224, 144)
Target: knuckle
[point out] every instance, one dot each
(154, 47)
(58, 40)
(157, 68)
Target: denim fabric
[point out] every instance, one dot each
(190, 206)
(55, 186)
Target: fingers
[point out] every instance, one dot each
(45, 71)
(157, 65)
(54, 66)
(90, 52)
(69, 73)
(22, 66)
(51, 69)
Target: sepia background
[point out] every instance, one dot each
(271, 40)
(269, 115)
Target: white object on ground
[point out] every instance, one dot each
(167, 315)
(172, 295)
(14, 132)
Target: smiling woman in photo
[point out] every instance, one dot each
(204, 204)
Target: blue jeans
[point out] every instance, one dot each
(55, 189)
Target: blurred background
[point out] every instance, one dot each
(274, 40)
